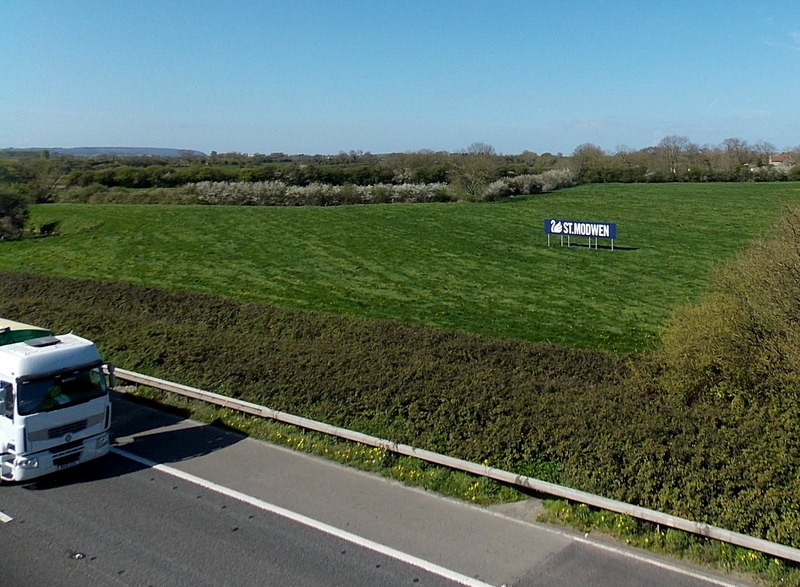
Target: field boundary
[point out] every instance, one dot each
(521, 481)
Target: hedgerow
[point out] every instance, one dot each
(548, 181)
(571, 416)
(278, 193)
(743, 342)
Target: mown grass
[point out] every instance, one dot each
(483, 268)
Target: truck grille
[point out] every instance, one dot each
(66, 459)
(71, 428)
(68, 447)
(67, 453)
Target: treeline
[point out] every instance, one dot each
(467, 169)
(39, 175)
(278, 193)
(676, 158)
(477, 173)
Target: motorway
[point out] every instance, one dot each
(183, 503)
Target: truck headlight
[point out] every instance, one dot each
(24, 463)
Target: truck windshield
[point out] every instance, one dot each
(61, 391)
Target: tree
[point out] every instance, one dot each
(671, 149)
(474, 168)
(586, 162)
(43, 175)
(627, 166)
(738, 152)
(13, 214)
(479, 148)
(765, 150)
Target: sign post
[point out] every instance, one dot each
(569, 228)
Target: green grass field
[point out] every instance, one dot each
(484, 268)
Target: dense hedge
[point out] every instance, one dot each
(280, 193)
(565, 415)
(743, 342)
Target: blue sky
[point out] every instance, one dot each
(302, 76)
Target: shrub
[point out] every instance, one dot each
(497, 190)
(744, 340)
(258, 193)
(554, 179)
(13, 214)
(277, 193)
(529, 184)
(99, 194)
(49, 228)
(706, 350)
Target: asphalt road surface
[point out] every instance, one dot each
(182, 503)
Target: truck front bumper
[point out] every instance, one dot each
(29, 466)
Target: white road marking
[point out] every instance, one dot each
(306, 521)
(5, 518)
(410, 559)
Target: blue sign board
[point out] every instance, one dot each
(580, 228)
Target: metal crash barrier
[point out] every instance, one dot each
(522, 481)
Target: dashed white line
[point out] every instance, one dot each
(5, 518)
(306, 521)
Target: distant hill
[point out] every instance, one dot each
(121, 151)
(127, 151)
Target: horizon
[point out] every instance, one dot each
(778, 150)
(311, 77)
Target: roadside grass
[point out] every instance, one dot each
(483, 268)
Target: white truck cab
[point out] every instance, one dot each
(55, 411)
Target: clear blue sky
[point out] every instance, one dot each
(302, 76)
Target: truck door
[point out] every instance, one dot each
(6, 426)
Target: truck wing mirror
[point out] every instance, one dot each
(112, 377)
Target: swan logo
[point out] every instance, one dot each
(556, 227)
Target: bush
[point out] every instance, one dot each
(497, 190)
(554, 179)
(13, 214)
(706, 350)
(277, 193)
(49, 228)
(744, 340)
(529, 184)
(98, 194)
